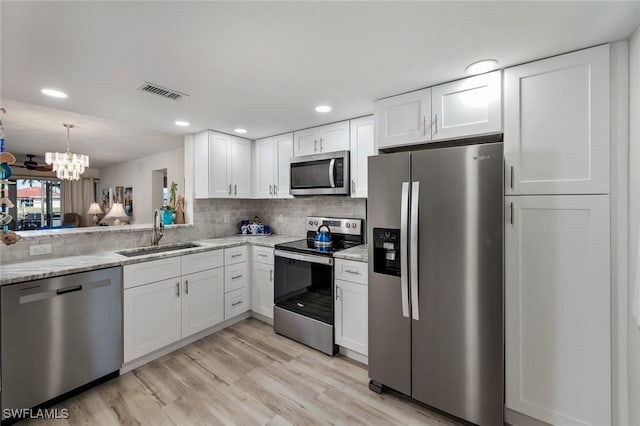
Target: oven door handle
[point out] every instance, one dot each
(304, 257)
(332, 172)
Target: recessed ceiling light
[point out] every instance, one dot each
(241, 131)
(323, 108)
(54, 93)
(182, 123)
(482, 66)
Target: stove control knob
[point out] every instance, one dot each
(310, 222)
(354, 225)
(315, 222)
(348, 225)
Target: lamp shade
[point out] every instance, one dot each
(116, 212)
(94, 208)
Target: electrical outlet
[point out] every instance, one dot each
(36, 250)
(226, 218)
(280, 218)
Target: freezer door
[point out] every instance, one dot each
(389, 329)
(457, 339)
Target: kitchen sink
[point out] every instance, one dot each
(156, 249)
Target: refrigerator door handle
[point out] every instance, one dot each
(415, 193)
(404, 270)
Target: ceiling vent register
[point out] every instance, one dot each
(156, 89)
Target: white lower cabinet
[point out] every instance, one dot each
(351, 307)
(152, 317)
(202, 301)
(157, 314)
(262, 282)
(557, 307)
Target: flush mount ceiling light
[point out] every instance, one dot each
(54, 93)
(182, 123)
(241, 131)
(482, 66)
(323, 108)
(67, 165)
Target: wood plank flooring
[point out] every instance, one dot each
(244, 375)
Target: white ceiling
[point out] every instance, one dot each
(259, 65)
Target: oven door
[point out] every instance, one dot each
(304, 284)
(324, 174)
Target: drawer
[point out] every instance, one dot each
(199, 262)
(236, 302)
(236, 276)
(263, 255)
(235, 255)
(348, 270)
(150, 272)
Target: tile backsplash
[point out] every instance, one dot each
(209, 222)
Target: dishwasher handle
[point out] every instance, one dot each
(69, 289)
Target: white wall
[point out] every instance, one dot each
(634, 222)
(138, 175)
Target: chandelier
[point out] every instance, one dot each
(67, 165)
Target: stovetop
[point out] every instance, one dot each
(306, 246)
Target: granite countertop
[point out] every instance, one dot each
(37, 269)
(357, 253)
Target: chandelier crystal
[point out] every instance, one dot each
(67, 165)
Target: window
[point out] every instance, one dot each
(37, 204)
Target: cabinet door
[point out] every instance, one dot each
(361, 149)
(351, 316)
(202, 301)
(403, 119)
(201, 165)
(305, 142)
(264, 179)
(284, 152)
(472, 106)
(557, 304)
(152, 317)
(334, 137)
(556, 128)
(219, 179)
(241, 167)
(262, 297)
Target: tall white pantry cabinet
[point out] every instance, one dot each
(557, 239)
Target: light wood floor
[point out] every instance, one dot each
(245, 375)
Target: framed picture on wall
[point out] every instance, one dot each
(118, 196)
(128, 201)
(107, 199)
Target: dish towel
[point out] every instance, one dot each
(636, 292)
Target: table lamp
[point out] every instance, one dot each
(117, 213)
(95, 210)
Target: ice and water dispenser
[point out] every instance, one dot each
(386, 251)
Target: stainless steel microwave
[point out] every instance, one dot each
(320, 174)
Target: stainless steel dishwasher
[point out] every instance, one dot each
(58, 334)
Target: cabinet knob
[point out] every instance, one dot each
(186, 287)
(178, 289)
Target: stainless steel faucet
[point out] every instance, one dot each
(157, 227)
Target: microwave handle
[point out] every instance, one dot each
(332, 172)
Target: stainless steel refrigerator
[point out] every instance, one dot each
(435, 233)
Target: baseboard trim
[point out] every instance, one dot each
(514, 418)
(262, 318)
(356, 356)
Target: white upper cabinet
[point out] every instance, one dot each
(556, 128)
(283, 145)
(327, 138)
(271, 174)
(264, 168)
(557, 308)
(240, 160)
(472, 106)
(362, 147)
(222, 166)
(403, 119)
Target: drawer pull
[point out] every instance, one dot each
(236, 255)
(234, 304)
(236, 277)
(262, 255)
(349, 271)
